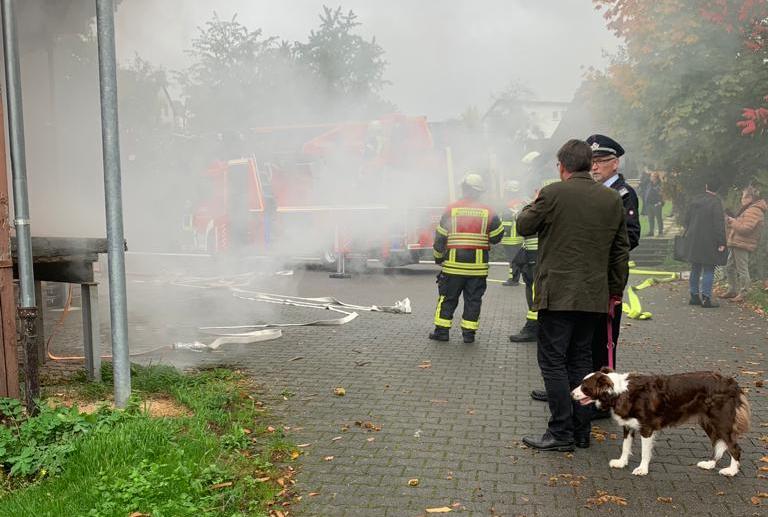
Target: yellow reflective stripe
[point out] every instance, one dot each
(440, 322)
(470, 325)
(496, 232)
(478, 256)
(437, 254)
(466, 211)
(459, 272)
(442, 231)
(532, 315)
(512, 240)
(466, 265)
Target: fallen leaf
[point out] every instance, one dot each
(336, 439)
(764, 469)
(720, 493)
(340, 392)
(755, 500)
(270, 429)
(413, 482)
(303, 445)
(221, 485)
(296, 358)
(667, 500)
(425, 364)
(762, 495)
(313, 494)
(263, 480)
(442, 509)
(295, 454)
(139, 514)
(764, 459)
(371, 439)
(328, 458)
(602, 497)
(449, 476)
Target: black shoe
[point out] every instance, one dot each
(707, 302)
(526, 335)
(511, 283)
(468, 336)
(695, 300)
(539, 395)
(547, 443)
(582, 442)
(439, 334)
(600, 414)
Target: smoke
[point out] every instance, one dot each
(335, 170)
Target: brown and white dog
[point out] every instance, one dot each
(649, 403)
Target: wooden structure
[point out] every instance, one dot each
(9, 362)
(70, 260)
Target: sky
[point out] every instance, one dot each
(443, 55)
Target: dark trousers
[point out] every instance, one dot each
(565, 358)
(600, 340)
(654, 215)
(511, 251)
(529, 275)
(450, 287)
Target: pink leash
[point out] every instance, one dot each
(611, 313)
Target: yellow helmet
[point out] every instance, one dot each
(474, 181)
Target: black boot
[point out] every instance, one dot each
(540, 395)
(527, 334)
(511, 283)
(695, 300)
(439, 334)
(468, 335)
(707, 303)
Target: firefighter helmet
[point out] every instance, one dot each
(474, 182)
(512, 186)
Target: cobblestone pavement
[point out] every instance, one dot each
(456, 425)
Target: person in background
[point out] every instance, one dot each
(463, 238)
(655, 202)
(583, 267)
(705, 242)
(511, 241)
(527, 260)
(743, 237)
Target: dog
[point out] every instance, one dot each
(649, 403)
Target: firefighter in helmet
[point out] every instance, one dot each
(528, 259)
(463, 239)
(512, 241)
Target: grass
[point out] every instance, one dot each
(758, 296)
(220, 461)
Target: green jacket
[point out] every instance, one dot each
(583, 245)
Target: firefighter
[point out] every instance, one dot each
(511, 241)
(530, 255)
(462, 241)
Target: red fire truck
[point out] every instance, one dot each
(370, 189)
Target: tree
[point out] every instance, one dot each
(673, 93)
(348, 68)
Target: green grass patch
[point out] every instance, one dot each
(758, 296)
(219, 461)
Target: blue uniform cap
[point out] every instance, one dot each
(604, 145)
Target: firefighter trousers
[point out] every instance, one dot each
(511, 251)
(449, 288)
(529, 275)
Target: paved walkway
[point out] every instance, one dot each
(452, 415)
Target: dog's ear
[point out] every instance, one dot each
(606, 370)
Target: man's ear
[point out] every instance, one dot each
(606, 370)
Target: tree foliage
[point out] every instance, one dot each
(676, 90)
(240, 78)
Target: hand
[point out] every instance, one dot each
(721, 248)
(729, 220)
(615, 299)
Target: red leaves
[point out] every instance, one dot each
(753, 120)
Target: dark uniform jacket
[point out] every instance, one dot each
(583, 245)
(464, 236)
(629, 200)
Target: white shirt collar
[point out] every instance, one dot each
(610, 181)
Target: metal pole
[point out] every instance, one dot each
(118, 310)
(27, 308)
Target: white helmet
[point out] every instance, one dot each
(474, 181)
(512, 186)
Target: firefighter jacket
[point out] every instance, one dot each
(463, 237)
(509, 222)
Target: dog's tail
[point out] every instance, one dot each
(743, 415)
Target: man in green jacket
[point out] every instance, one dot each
(583, 265)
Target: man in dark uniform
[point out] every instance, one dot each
(463, 238)
(605, 169)
(583, 265)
